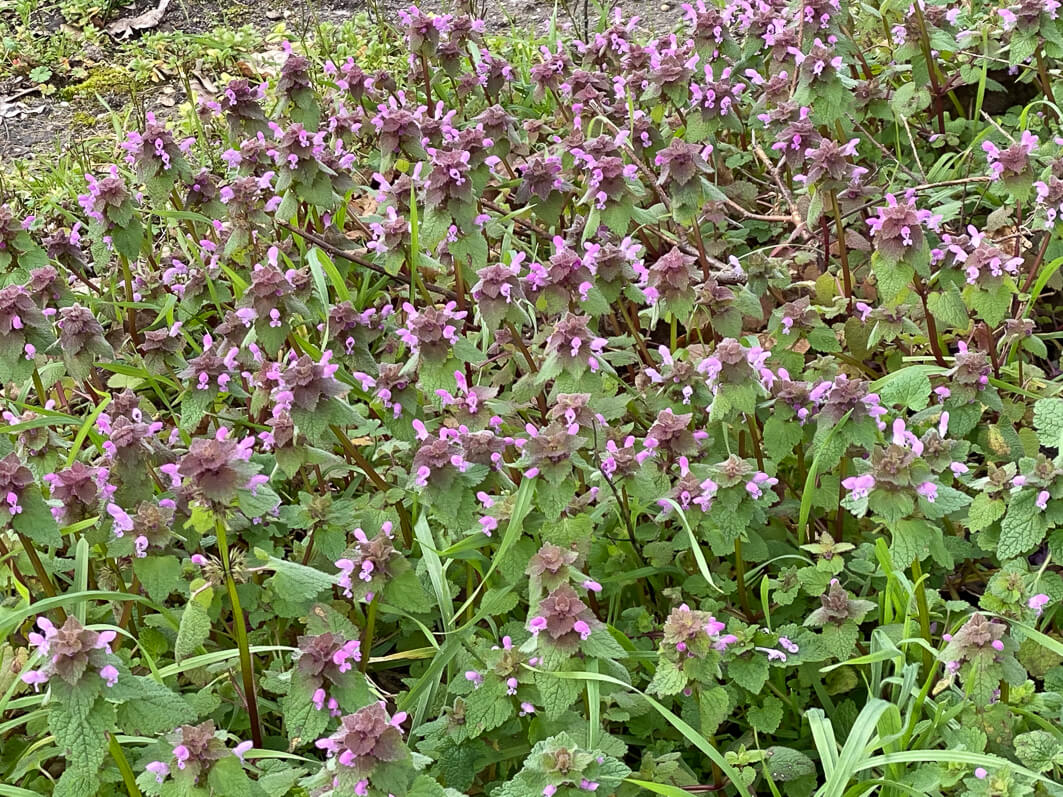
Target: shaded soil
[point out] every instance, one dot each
(35, 127)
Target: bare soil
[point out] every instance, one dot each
(35, 127)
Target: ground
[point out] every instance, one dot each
(62, 74)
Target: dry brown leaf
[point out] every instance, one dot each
(126, 26)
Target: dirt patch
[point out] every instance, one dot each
(34, 125)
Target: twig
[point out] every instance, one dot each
(360, 261)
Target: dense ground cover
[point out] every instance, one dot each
(513, 415)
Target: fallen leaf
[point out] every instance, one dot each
(125, 27)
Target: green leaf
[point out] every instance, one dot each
(910, 541)
(147, 706)
(487, 707)
(785, 763)
(227, 777)
(295, 587)
(909, 99)
(1039, 750)
(781, 435)
(1048, 421)
(76, 783)
(36, 520)
(194, 627)
(749, 672)
(984, 511)
(302, 720)
(79, 728)
(1023, 527)
(893, 278)
(714, 706)
(557, 693)
(258, 503)
(668, 680)
(908, 387)
(949, 308)
(424, 786)
(160, 575)
(767, 716)
(600, 644)
(405, 590)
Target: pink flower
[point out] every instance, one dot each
(582, 629)
(1038, 602)
(928, 490)
(859, 486)
(159, 769)
(109, 674)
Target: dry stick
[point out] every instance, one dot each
(42, 574)
(777, 179)
(843, 248)
(518, 341)
(911, 143)
(378, 481)
(21, 579)
(931, 326)
(884, 149)
(1042, 73)
(360, 261)
(931, 67)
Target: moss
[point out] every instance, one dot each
(82, 120)
(103, 80)
(236, 13)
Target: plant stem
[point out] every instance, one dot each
(42, 574)
(427, 81)
(924, 613)
(740, 578)
(131, 318)
(123, 766)
(367, 634)
(1042, 73)
(931, 66)
(247, 669)
(378, 481)
(843, 249)
(38, 385)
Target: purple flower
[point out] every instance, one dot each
(1038, 603)
(159, 769)
(859, 486)
(109, 673)
(759, 484)
(70, 652)
(898, 228)
(928, 490)
(431, 331)
(773, 655)
(1013, 161)
(366, 738)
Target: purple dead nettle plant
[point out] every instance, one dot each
(71, 652)
(196, 749)
(368, 565)
(325, 659)
(898, 227)
(365, 739)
